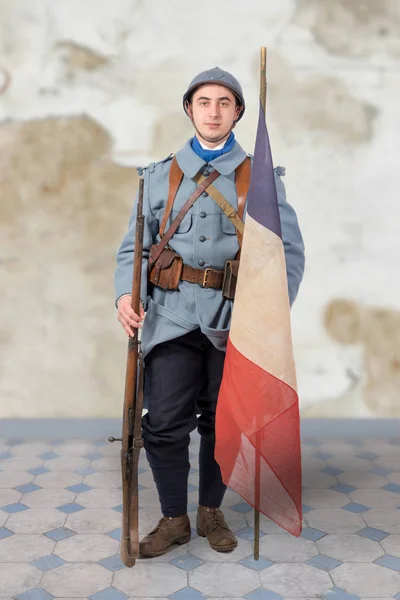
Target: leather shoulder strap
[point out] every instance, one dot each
(242, 176)
(185, 208)
(175, 178)
(243, 172)
(227, 208)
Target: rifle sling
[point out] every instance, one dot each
(185, 208)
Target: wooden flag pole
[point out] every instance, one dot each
(263, 78)
(257, 486)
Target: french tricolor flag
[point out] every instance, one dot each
(257, 421)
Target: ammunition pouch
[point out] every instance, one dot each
(165, 272)
(230, 278)
(168, 270)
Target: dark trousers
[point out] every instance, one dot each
(182, 377)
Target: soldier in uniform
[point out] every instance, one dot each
(185, 330)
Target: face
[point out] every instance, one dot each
(213, 111)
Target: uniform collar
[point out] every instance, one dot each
(191, 163)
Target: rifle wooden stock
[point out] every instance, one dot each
(132, 416)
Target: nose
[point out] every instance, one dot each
(214, 109)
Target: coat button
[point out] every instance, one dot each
(202, 238)
(203, 215)
(201, 263)
(205, 194)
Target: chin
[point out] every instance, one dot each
(214, 135)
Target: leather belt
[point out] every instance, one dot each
(207, 278)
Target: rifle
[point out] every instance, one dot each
(131, 439)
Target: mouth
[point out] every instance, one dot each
(213, 125)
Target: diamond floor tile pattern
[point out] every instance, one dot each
(373, 534)
(4, 533)
(113, 563)
(109, 594)
(35, 594)
(14, 508)
(388, 561)
(28, 487)
(38, 471)
(187, 593)
(187, 562)
(247, 533)
(46, 563)
(356, 508)
(312, 534)
(48, 455)
(347, 548)
(340, 594)
(256, 565)
(61, 533)
(263, 594)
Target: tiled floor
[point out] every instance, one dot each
(60, 517)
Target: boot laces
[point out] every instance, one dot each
(163, 523)
(217, 517)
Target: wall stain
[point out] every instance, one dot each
(377, 330)
(65, 207)
(81, 57)
(357, 28)
(316, 103)
(169, 133)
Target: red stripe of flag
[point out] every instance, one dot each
(241, 431)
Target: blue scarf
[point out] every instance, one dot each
(209, 155)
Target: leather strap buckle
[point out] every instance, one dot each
(207, 272)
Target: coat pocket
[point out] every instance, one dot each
(227, 226)
(185, 224)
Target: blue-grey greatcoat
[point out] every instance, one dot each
(205, 238)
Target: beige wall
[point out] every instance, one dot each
(95, 90)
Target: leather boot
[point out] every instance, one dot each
(211, 524)
(169, 531)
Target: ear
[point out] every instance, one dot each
(238, 110)
(188, 108)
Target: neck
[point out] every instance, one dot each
(212, 144)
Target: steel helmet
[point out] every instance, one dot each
(216, 75)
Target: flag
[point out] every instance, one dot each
(257, 419)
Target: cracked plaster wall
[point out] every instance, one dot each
(95, 90)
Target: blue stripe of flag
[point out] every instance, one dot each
(262, 199)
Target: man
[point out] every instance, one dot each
(185, 331)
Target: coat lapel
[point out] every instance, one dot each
(189, 161)
(227, 163)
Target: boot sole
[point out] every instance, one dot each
(217, 548)
(179, 542)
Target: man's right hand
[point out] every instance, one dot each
(127, 317)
